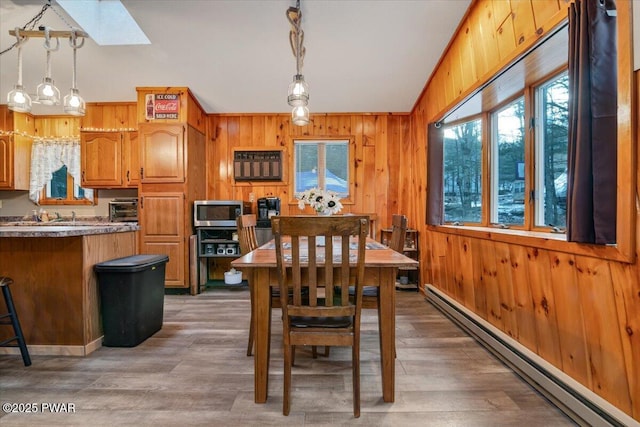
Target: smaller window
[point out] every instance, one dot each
(322, 164)
(62, 190)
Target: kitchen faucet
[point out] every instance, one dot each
(73, 216)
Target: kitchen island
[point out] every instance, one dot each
(55, 288)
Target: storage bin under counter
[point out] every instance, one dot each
(55, 287)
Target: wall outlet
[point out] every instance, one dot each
(251, 198)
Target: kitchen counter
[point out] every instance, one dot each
(64, 229)
(55, 288)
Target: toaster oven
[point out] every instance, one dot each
(123, 210)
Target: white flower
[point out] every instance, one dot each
(322, 201)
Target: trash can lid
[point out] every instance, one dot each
(130, 264)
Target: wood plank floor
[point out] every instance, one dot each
(195, 372)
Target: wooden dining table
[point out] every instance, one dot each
(381, 264)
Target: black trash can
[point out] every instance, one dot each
(132, 298)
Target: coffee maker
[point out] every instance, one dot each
(268, 207)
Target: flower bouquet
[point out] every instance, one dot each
(324, 202)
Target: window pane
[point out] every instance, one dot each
(551, 161)
(337, 168)
(306, 167)
(58, 185)
(323, 165)
(508, 193)
(463, 172)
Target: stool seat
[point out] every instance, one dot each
(11, 318)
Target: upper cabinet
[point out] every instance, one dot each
(15, 149)
(110, 159)
(162, 153)
(109, 139)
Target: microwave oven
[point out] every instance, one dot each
(218, 213)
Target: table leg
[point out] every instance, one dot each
(387, 324)
(262, 327)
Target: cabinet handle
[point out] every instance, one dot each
(82, 176)
(128, 180)
(141, 202)
(141, 173)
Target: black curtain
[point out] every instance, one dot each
(435, 165)
(592, 146)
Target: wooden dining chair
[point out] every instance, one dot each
(370, 294)
(324, 314)
(246, 225)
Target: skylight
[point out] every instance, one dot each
(108, 22)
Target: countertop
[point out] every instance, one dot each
(63, 228)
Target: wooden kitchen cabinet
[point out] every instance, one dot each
(162, 153)
(172, 177)
(162, 215)
(109, 159)
(15, 149)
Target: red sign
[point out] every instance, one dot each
(162, 106)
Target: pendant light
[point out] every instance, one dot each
(73, 102)
(18, 99)
(300, 115)
(47, 93)
(298, 94)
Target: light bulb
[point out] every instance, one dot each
(298, 91)
(300, 115)
(18, 97)
(47, 92)
(18, 100)
(74, 104)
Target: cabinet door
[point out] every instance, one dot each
(162, 153)
(6, 162)
(131, 160)
(162, 232)
(101, 154)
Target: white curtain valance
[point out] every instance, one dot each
(47, 156)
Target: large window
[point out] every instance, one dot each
(522, 164)
(322, 164)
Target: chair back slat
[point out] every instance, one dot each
(312, 271)
(246, 225)
(398, 232)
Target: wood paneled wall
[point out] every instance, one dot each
(382, 145)
(578, 311)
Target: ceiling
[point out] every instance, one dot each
(234, 55)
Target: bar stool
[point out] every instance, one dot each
(13, 321)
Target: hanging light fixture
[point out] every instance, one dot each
(73, 102)
(18, 99)
(298, 96)
(46, 92)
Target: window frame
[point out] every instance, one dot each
(70, 200)
(625, 247)
(350, 140)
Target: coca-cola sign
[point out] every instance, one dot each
(162, 106)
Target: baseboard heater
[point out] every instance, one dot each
(578, 402)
